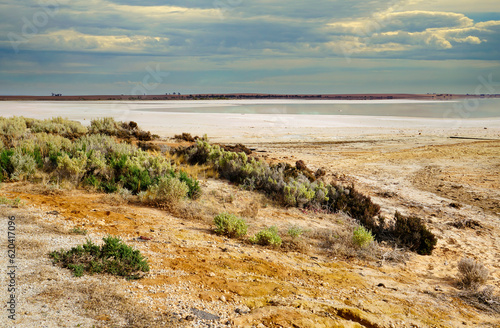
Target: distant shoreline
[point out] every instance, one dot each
(235, 96)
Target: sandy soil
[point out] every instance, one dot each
(412, 169)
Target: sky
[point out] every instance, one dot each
(82, 47)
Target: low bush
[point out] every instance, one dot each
(23, 165)
(127, 131)
(58, 125)
(185, 137)
(5, 163)
(168, 190)
(471, 274)
(72, 168)
(105, 125)
(113, 257)
(361, 237)
(230, 225)
(353, 203)
(267, 237)
(194, 189)
(412, 233)
(12, 129)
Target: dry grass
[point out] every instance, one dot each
(251, 210)
(204, 171)
(482, 298)
(102, 301)
(395, 255)
(337, 241)
(471, 274)
(195, 211)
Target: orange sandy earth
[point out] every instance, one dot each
(255, 286)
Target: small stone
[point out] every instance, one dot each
(204, 315)
(223, 298)
(189, 318)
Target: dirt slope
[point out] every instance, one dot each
(242, 285)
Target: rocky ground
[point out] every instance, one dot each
(199, 279)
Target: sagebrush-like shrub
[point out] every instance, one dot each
(230, 225)
(110, 127)
(12, 128)
(72, 168)
(23, 165)
(267, 237)
(168, 190)
(59, 126)
(105, 125)
(471, 274)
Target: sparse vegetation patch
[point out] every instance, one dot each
(298, 187)
(113, 257)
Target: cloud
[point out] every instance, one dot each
(241, 28)
(414, 32)
(414, 21)
(235, 40)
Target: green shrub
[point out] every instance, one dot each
(78, 269)
(96, 159)
(193, 185)
(113, 257)
(362, 237)
(5, 164)
(97, 164)
(230, 225)
(411, 232)
(108, 186)
(168, 190)
(132, 177)
(267, 237)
